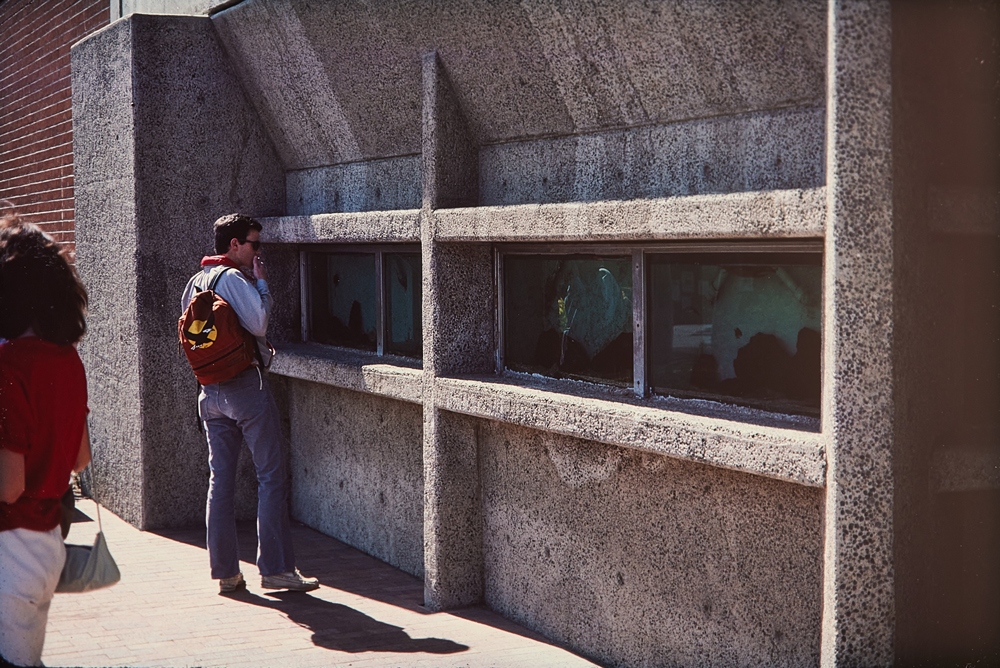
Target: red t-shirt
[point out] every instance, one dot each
(43, 408)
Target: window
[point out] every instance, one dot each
(737, 324)
(569, 316)
(741, 327)
(367, 298)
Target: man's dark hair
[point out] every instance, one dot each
(38, 287)
(234, 226)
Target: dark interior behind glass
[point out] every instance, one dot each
(569, 316)
(737, 327)
(343, 301)
(401, 275)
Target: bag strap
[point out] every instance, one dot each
(211, 286)
(100, 528)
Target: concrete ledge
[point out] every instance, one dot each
(774, 452)
(401, 379)
(775, 446)
(745, 215)
(364, 227)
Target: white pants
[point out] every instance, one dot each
(30, 564)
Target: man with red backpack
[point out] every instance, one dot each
(235, 403)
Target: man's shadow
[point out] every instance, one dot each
(342, 628)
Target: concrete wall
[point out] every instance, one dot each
(164, 144)
(638, 530)
(123, 8)
(708, 112)
(637, 559)
(356, 467)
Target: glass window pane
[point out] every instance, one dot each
(343, 299)
(569, 316)
(402, 294)
(737, 327)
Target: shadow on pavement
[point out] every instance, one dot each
(340, 566)
(342, 628)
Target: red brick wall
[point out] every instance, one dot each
(36, 130)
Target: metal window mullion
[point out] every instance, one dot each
(639, 311)
(379, 305)
(305, 298)
(498, 267)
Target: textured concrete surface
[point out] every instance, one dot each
(529, 69)
(167, 613)
(459, 303)
(106, 245)
(127, 7)
(637, 559)
(774, 214)
(859, 589)
(162, 88)
(450, 155)
(395, 378)
(759, 151)
(357, 470)
(584, 121)
(453, 513)
(378, 185)
(774, 447)
(374, 227)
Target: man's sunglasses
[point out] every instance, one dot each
(255, 244)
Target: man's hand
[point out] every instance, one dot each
(258, 268)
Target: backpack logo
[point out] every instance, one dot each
(202, 333)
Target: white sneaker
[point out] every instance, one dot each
(292, 581)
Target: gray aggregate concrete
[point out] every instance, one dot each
(357, 471)
(859, 603)
(773, 214)
(762, 449)
(140, 82)
(389, 184)
(599, 547)
(374, 227)
(523, 69)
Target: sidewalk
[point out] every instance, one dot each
(167, 612)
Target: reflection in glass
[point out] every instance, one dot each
(569, 316)
(343, 299)
(401, 274)
(737, 326)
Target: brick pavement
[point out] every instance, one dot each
(167, 612)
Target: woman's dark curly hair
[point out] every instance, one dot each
(38, 287)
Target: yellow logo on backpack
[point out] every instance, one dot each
(202, 333)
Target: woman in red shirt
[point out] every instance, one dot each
(43, 432)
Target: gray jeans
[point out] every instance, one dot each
(235, 410)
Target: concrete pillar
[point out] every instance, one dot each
(164, 143)
(858, 597)
(450, 156)
(458, 307)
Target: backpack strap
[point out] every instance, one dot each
(211, 286)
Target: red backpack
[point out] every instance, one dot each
(216, 345)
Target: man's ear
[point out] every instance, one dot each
(234, 243)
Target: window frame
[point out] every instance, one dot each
(379, 250)
(640, 252)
